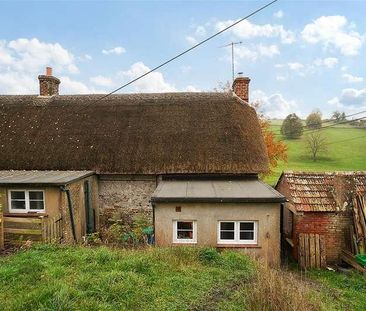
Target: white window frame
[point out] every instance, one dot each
(185, 241)
(27, 201)
(237, 233)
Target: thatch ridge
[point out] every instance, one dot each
(131, 133)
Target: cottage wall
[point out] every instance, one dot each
(207, 216)
(120, 195)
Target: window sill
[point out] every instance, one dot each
(25, 215)
(238, 246)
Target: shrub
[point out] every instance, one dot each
(314, 120)
(208, 255)
(292, 127)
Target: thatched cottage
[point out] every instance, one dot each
(139, 145)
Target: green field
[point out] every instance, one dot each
(346, 150)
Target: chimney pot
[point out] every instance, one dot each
(241, 87)
(48, 71)
(48, 84)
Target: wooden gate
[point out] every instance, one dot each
(311, 251)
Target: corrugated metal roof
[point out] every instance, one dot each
(316, 192)
(42, 177)
(251, 190)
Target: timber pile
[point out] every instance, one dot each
(358, 230)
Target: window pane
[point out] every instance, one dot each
(187, 225)
(17, 195)
(247, 236)
(246, 226)
(18, 205)
(227, 225)
(185, 235)
(227, 235)
(36, 205)
(36, 195)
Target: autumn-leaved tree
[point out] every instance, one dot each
(276, 149)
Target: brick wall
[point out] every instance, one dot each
(333, 226)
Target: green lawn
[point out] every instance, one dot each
(347, 290)
(80, 278)
(342, 153)
(181, 278)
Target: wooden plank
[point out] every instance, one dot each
(306, 250)
(323, 255)
(312, 250)
(302, 251)
(23, 231)
(2, 243)
(317, 251)
(349, 258)
(23, 220)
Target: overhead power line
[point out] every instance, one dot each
(325, 127)
(327, 121)
(186, 51)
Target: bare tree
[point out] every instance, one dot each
(315, 143)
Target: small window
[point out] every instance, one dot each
(184, 231)
(237, 232)
(23, 201)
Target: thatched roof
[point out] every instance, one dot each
(131, 134)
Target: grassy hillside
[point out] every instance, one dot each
(344, 152)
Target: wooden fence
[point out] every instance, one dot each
(15, 230)
(311, 251)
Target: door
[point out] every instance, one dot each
(89, 210)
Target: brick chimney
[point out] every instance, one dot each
(48, 84)
(241, 87)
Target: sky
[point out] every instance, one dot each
(300, 55)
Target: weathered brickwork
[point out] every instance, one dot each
(333, 226)
(125, 195)
(241, 88)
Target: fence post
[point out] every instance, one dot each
(1, 231)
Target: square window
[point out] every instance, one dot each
(184, 232)
(237, 232)
(22, 201)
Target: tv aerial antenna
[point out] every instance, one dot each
(232, 45)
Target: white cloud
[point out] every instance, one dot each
(191, 40)
(278, 14)
(352, 79)
(154, 82)
(281, 78)
(69, 86)
(102, 81)
(248, 30)
(18, 83)
(350, 98)
(344, 68)
(254, 52)
(329, 62)
(334, 31)
(275, 105)
(32, 56)
(200, 31)
(118, 50)
(191, 88)
(291, 66)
